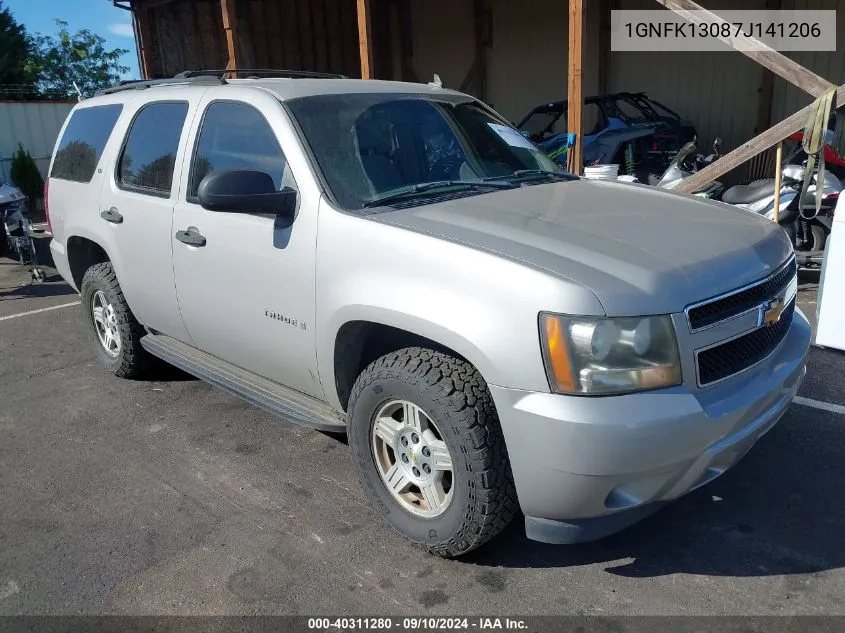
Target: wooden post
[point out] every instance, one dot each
(778, 169)
(749, 149)
(142, 24)
(227, 8)
(364, 39)
(575, 96)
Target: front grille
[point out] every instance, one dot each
(729, 358)
(727, 307)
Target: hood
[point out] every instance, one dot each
(639, 249)
(8, 193)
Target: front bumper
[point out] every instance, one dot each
(586, 467)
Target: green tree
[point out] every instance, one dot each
(14, 51)
(25, 175)
(58, 61)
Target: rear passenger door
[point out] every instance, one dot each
(136, 205)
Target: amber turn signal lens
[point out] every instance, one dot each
(558, 354)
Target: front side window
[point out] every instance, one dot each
(235, 135)
(83, 142)
(149, 153)
(369, 146)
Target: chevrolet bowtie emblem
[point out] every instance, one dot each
(773, 311)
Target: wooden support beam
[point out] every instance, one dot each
(365, 42)
(778, 175)
(759, 143)
(142, 26)
(575, 95)
(227, 8)
(778, 63)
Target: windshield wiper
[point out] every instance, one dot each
(428, 187)
(532, 173)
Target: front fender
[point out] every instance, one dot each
(482, 306)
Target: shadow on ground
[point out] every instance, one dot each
(779, 512)
(53, 286)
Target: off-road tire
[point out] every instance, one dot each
(132, 361)
(453, 393)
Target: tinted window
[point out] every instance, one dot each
(370, 144)
(236, 135)
(149, 153)
(83, 142)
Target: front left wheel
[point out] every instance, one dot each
(429, 451)
(115, 331)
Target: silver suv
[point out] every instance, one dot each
(396, 262)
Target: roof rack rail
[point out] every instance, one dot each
(257, 72)
(143, 84)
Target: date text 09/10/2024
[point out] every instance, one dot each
(418, 623)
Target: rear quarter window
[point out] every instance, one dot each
(82, 144)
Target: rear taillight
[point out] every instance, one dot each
(47, 205)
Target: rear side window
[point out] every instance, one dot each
(235, 135)
(85, 136)
(149, 152)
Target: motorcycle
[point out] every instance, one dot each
(807, 228)
(19, 233)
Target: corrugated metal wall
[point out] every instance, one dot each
(717, 91)
(35, 125)
(830, 65)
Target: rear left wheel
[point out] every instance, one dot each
(115, 331)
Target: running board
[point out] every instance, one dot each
(282, 401)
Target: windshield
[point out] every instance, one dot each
(543, 123)
(626, 110)
(371, 145)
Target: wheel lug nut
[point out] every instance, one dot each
(404, 458)
(404, 441)
(416, 472)
(427, 469)
(415, 438)
(426, 451)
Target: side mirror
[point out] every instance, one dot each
(246, 191)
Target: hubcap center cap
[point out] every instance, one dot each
(414, 454)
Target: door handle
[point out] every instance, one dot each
(191, 237)
(111, 215)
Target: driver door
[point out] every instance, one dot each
(247, 293)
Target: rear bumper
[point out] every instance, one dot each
(60, 260)
(587, 467)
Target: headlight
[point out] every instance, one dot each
(599, 355)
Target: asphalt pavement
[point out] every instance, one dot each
(167, 496)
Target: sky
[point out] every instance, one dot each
(99, 16)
